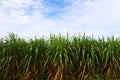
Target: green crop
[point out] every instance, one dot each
(59, 58)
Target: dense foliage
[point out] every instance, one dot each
(59, 58)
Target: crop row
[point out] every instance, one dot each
(59, 58)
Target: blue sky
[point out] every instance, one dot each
(30, 18)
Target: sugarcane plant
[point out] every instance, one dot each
(59, 57)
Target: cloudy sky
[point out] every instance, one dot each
(29, 18)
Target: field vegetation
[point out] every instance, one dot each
(59, 58)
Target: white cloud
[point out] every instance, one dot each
(98, 17)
